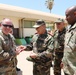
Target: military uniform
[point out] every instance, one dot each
(7, 55)
(69, 59)
(40, 46)
(58, 50)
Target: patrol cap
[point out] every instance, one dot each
(59, 20)
(39, 23)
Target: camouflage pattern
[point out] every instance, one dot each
(58, 50)
(8, 59)
(69, 59)
(40, 46)
(11, 72)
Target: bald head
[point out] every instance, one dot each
(71, 15)
(71, 9)
(7, 21)
(6, 26)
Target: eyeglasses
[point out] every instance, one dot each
(10, 26)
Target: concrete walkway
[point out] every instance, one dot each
(26, 66)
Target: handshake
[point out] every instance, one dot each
(19, 49)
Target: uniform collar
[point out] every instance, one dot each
(73, 27)
(43, 35)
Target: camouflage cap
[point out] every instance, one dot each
(39, 23)
(59, 20)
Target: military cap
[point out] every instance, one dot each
(39, 23)
(59, 20)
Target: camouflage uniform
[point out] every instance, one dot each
(58, 50)
(41, 64)
(69, 59)
(7, 55)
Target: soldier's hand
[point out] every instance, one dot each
(33, 55)
(20, 49)
(61, 65)
(17, 51)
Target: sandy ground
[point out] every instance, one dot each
(26, 66)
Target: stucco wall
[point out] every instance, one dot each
(28, 31)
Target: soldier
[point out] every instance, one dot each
(8, 50)
(41, 55)
(69, 59)
(58, 38)
(17, 69)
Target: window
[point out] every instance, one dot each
(28, 24)
(50, 25)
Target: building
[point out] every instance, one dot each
(23, 19)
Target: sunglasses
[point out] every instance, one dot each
(10, 26)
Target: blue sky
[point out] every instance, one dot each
(59, 5)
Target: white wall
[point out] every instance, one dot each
(29, 31)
